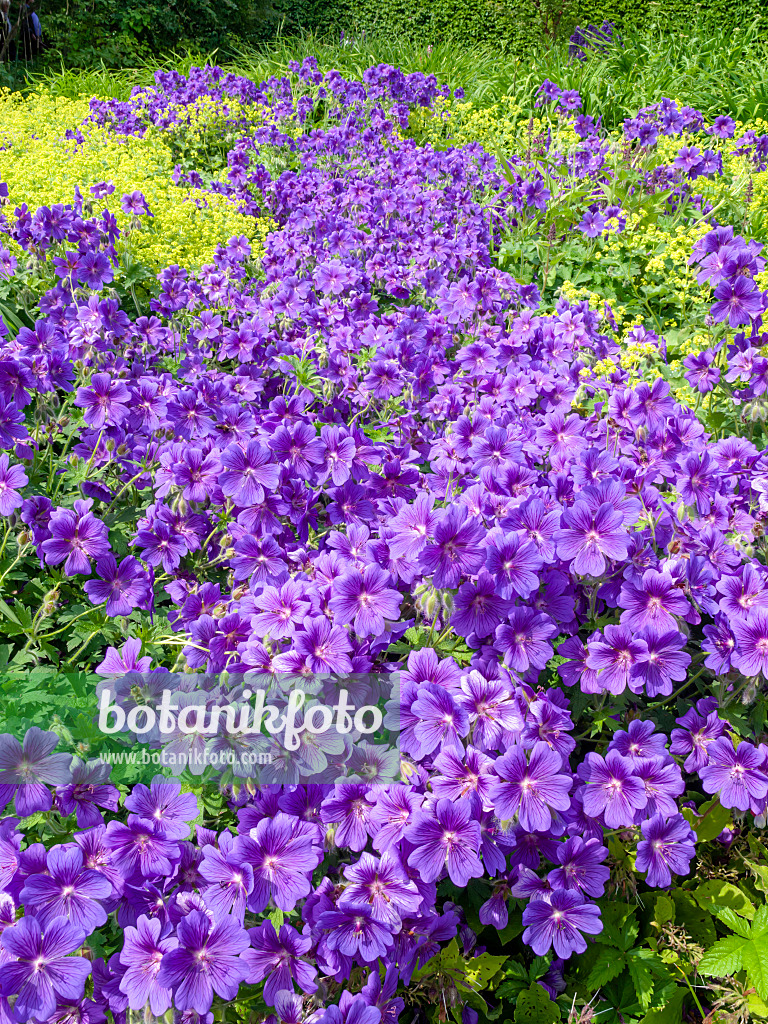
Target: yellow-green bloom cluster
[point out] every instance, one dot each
(42, 167)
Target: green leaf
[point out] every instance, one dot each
(697, 922)
(670, 1012)
(724, 958)
(535, 1007)
(277, 917)
(710, 822)
(480, 969)
(723, 894)
(755, 962)
(620, 928)
(643, 964)
(760, 923)
(664, 911)
(608, 966)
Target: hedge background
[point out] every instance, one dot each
(119, 30)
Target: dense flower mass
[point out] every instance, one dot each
(372, 450)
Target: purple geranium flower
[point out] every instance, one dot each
(12, 479)
(29, 769)
(530, 790)
(457, 549)
(611, 789)
(276, 957)
(560, 922)
(366, 600)
(142, 954)
(667, 847)
(282, 852)
(736, 775)
(43, 970)
(206, 960)
(448, 837)
(68, 889)
(165, 805)
(76, 537)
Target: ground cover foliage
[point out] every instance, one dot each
(473, 394)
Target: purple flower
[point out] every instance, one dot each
(366, 600)
(248, 472)
(514, 563)
(354, 932)
(441, 722)
(654, 603)
(737, 776)
(140, 848)
(88, 790)
(382, 884)
(76, 537)
(700, 373)
(737, 301)
(230, 878)
(478, 607)
(661, 661)
(123, 587)
(751, 655)
(449, 837)
(611, 789)
(560, 923)
(68, 890)
(282, 852)
(530, 791)
(165, 805)
(667, 847)
(324, 647)
(105, 401)
(206, 960)
(276, 957)
(698, 732)
(12, 479)
(142, 954)
(612, 656)
(30, 768)
(589, 538)
(581, 867)
(524, 639)
(43, 971)
(457, 549)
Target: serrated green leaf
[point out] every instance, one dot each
(642, 977)
(755, 962)
(726, 957)
(608, 966)
(670, 1012)
(277, 917)
(760, 923)
(737, 924)
(664, 911)
(620, 928)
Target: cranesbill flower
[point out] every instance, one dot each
(560, 922)
(751, 655)
(457, 549)
(513, 562)
(524, 639)
(88, 790)
(382, 884)
(206, 960)
(581, 866)
(143, 950)
(276, 957)
(104, 400)
(639, 741)
(165, 805)
(324, 647)
(123, 587)
(654, 603)
(283, 854)
(698, 731)
(667, 847)
(30, 768)
(737, 301)
(230, 878)
(611, 789)
(355, 932)
(661, 661)
(248, 472)
(140, 848)
(76, 537)
(43, 971)
(587, 539)
(68, 890)
(283, 609)
(441, 722)
(530, 791)
(447, 837)
(700, 373)
(478, 607)
(720, 645)
(612, 655)
(737, 776)
(365, 600)
(12, 479)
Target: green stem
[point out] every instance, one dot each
(47, 636)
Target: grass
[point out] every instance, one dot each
(715, 73)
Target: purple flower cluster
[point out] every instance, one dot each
(374, 431)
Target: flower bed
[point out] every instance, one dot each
(393, 451)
